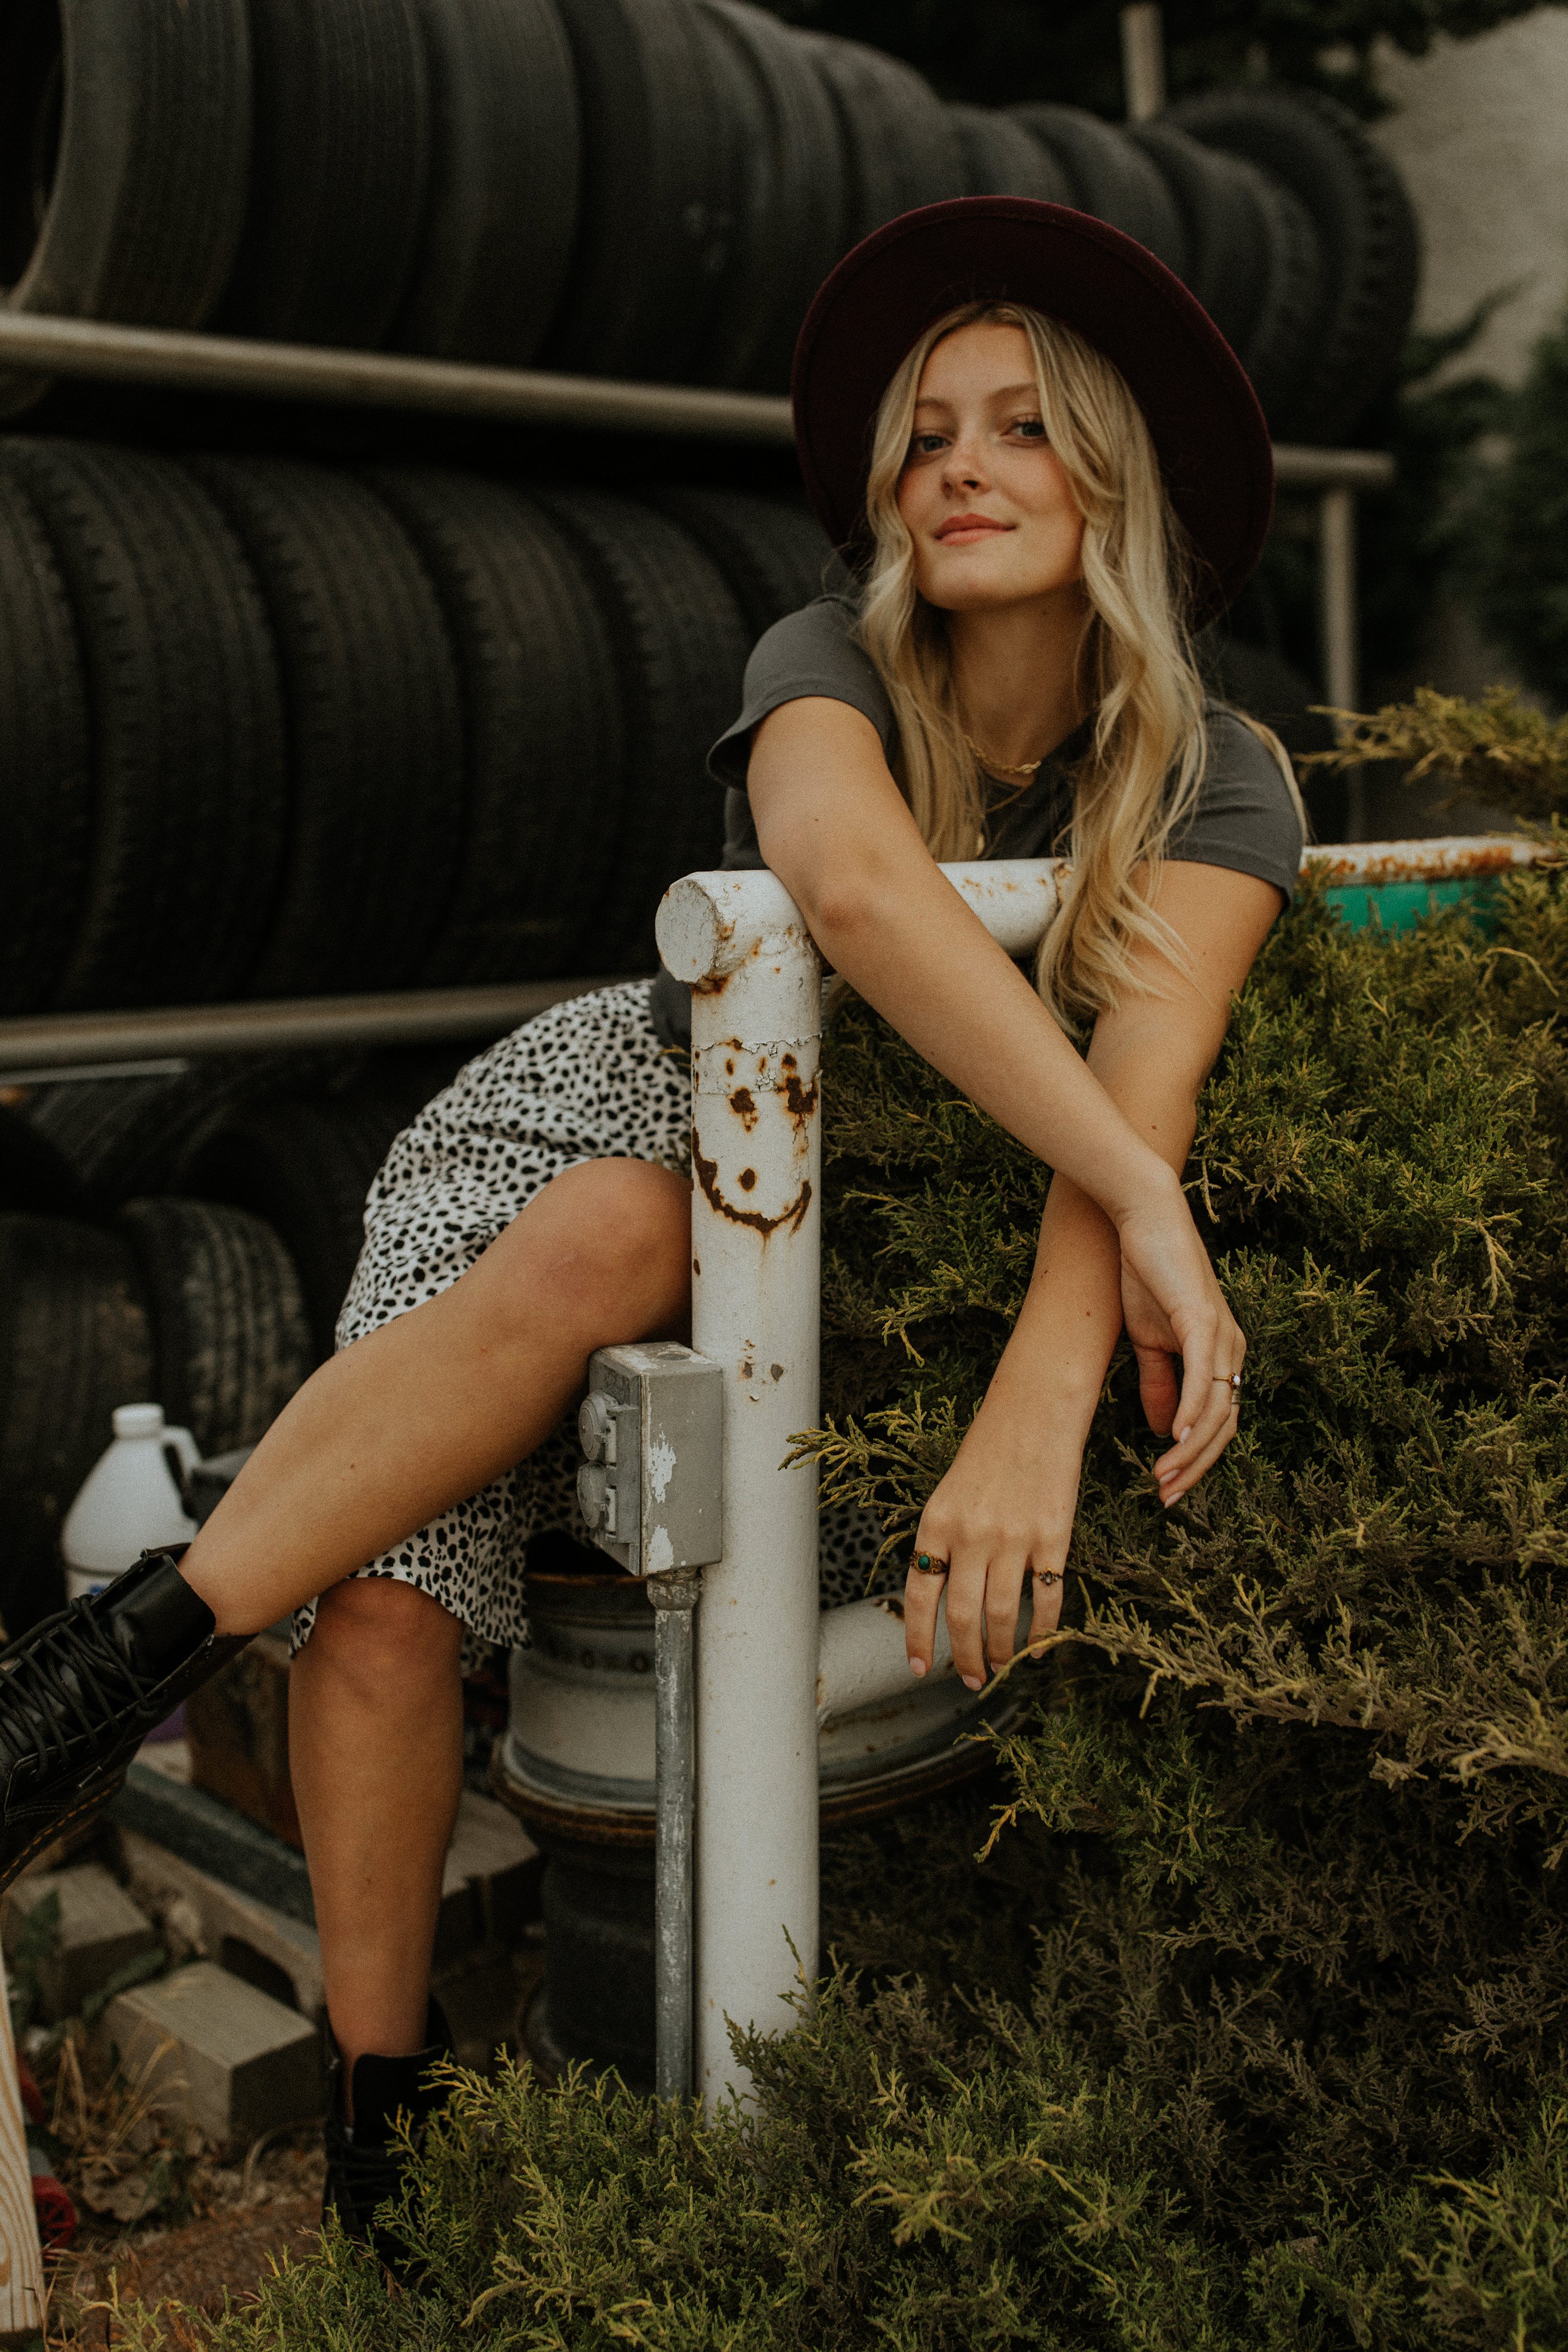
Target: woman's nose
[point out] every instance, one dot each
(963, 468)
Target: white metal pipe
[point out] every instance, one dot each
(756, 1149)
(861, 1656)
(1142, 60)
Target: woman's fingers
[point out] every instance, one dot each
(983, 1602)
(923, 1588)
(1211, 1429)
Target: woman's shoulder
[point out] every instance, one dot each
(1247, 814)
(813, 653)
(823, 631)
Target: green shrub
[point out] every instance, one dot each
(1249, 2031)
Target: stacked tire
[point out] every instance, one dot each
(267, 728)
(638, 188)
(270, 728)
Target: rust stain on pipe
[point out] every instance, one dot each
(743, 1104)
(707, 1174)
(1473, 862)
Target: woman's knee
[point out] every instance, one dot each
(384, 1633)
(610, 1237)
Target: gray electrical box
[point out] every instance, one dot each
(652, 1432)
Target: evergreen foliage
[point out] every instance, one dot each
(1499, 748)
(1247, 2032)
(1521, 526)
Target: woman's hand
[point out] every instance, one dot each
(1173, 1306)
(1005, 1509)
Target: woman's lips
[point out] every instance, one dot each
(969, 527)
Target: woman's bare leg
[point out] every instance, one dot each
(375, 1749)
(432, 1407)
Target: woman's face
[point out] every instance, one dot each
(983, 492)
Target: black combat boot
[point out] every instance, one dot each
(80, 1692)
(365, 2161)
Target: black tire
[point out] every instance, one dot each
(1111, 177)
(774, 556)
(505, 156)
(74, 1343)
(681, 646)
(901, 151)
(1000, 158)
(339, 171)
(661, 190)
(1227, 246)
(124, 156)
(125, 1135)
(188, 787)
(791, 230)
(35, 1178)
(230, 1340)
(375, 727)
(1278, 347)
(1366, 229)
(543, 725)
(46, 758)
(305, 1168)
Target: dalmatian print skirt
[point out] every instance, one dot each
(587, 1080)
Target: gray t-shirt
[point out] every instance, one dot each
(1244, 817)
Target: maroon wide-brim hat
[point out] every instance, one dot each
(1202, 413)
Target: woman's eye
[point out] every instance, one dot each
(925, 445)
(1031, 427)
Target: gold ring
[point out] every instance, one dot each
(928, 1567)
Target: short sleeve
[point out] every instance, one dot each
(1247, 816)
(812, 652)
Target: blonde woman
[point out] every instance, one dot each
(1044, 464)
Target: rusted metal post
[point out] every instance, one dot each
(756, 1151)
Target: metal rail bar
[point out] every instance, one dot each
(187, 362)
(57, 1041)
(42, 1041)
(197, 363)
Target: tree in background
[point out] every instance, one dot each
(1521, 525)
(998, 52)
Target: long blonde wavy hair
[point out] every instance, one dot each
(1136, 670)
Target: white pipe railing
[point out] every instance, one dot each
(768, 1668)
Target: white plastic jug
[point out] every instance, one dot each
(128, 1501)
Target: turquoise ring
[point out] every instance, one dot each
(928, 1567)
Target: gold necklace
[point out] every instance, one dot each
(1025, 768)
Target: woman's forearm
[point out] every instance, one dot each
(835, 829)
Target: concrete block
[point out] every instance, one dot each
(214, 2052)
(491, 1887)
(210, 1833)
(201, 1913)
(100, 1930)
(237, 1729)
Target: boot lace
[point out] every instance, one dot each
(68, 1682)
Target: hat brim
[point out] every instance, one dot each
(1207, 429)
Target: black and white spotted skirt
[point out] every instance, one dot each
(587, 1080)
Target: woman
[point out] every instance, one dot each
(1061, 471)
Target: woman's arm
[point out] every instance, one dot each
(834, 828)
(1008, 1501)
